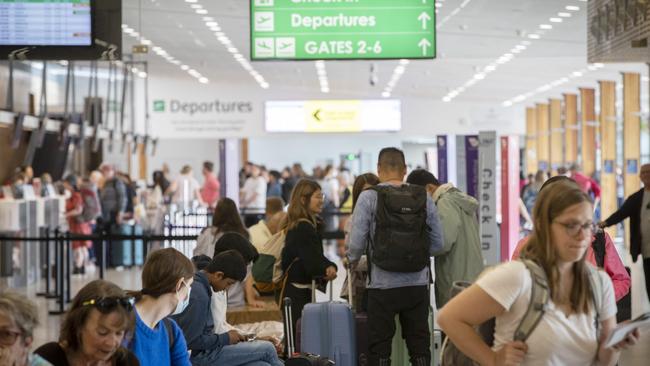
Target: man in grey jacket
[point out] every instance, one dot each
(460, 258)
(390, 292)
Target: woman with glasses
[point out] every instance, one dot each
(578, 317)
(167, 278)
(302, 256)
(18, 318)
(94, 328)
(601, 253)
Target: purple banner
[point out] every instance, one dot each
(471, 168)
(442, 159)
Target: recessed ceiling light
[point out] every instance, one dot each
(446, 99)
(208, 19)
(142, 74)
(572, 8)
(201, 11)
(191, 1)
(385, 94)
(211, 24)
(507, 103)
(196, 6)
(534, 36)
(564, 15)
(545, 26)
(555, 20)
(203, 80)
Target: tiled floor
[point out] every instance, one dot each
(130, 279)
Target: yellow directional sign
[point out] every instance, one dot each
(333, 115)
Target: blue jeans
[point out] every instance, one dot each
(256, 353)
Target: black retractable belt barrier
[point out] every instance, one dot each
(60, 274)
(47, 266)
(68, 259)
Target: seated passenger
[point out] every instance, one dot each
(225, 219)
(167, 277)
(236, 292)
(578, 318)
(260, 233)
(94, 328)
(18, 318)
(197, 323)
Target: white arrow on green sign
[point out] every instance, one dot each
(342, 29)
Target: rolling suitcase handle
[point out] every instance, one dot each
(313, 289)
(291, 345)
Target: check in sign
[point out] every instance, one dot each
(342, 29)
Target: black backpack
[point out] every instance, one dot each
(401, 241)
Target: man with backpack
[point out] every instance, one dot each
(397, 225)
(113, 197)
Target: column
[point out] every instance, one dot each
(557, 137)
(543, 133)
(608, 148)
(571, 129)
(587, 156)
(531, 141)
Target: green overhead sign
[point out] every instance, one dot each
(342, 29)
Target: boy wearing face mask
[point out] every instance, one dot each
(197, 323)
(167, 277)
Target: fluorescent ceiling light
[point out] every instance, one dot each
(196, 6)
(208, 19)
(191, 1)
(203, 80)
(564, 15)
(201, 11)
(545, 26)
(385, 94)
(555, 20)
(572, 8)
(534, 36)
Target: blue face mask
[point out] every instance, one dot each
(182, 304)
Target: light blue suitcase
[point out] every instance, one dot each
(328, 329)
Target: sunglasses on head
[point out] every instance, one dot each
(108, 304)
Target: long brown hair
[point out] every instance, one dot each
(550, 204)
(299, 204)
(359, 183)
(226, 218)
(76, 317)
(162, 270)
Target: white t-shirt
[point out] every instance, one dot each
(557, 340)
(252, 186)
(186, 187)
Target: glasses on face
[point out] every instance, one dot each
(8, 337)
(573, 229)
(108, 304)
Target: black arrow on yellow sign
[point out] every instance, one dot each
(317, 115)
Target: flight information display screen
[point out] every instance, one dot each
(45, 23)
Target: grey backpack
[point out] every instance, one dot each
(452, 356)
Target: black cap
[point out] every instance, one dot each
(421, 177)
(231, 263)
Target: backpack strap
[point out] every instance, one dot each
(599, 247)
(539, 296)
(170, 333)
(596, 284)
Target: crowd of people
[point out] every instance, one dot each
(397, 222)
